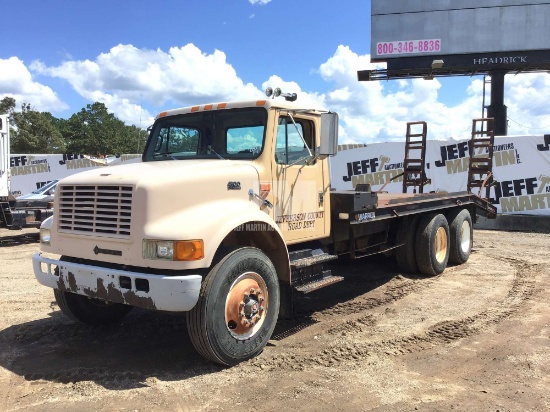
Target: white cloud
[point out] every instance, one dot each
(374, 111)
(379, 110)
(526, 96)
(133, 83)
(260, 2)
(126, 76)
(16, 81)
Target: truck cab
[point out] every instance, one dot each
(242, 181)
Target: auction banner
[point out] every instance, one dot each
(32, 171)
(521, 168)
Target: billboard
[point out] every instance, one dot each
(467, 34)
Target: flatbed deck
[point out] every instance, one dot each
(359, 207)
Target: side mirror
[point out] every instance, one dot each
(329, 134)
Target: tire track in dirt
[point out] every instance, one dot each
(391, 294)
(522, 288)
(309, 317)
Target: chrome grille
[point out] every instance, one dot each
(95, 210)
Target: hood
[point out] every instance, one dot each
(151, 173)
(163, 190)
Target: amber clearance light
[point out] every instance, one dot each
(188, 249)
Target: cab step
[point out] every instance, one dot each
(308, 273)
(308, 257)
(326, 280)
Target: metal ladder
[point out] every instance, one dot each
(415, 157)
(480, 170)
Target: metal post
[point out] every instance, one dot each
(497, 109)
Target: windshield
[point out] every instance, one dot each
(222, 134)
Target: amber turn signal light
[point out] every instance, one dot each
(189, 250)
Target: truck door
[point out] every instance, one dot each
(298, 180)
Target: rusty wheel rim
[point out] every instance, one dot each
(246, 306)
(440, 244)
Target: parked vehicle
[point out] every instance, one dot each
(229, 217)
(36, 206)
(25, 211)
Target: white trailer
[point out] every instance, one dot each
(4, 163)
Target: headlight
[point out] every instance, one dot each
(173, 249)
(165, 250)
(45, 236)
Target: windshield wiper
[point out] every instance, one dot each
(166, 154)
(211, 149)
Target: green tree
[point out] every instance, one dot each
(7, 105)
(97, 132)
(35, 133)
(134, 140)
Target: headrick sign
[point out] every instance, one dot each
(466, 64)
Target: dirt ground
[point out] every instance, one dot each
(476, 338)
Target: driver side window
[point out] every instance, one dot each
(181, 141)
(290, 148)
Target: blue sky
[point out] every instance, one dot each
(141, 57)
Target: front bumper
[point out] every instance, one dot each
(168, 293)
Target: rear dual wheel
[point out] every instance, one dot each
(462, 234)
(432, 244)
(432, 241)
(406, 254)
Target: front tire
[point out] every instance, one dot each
(89, 311)
(432, 244)
(237, 308)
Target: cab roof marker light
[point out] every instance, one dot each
(195, 108)
(162, 114)
(222, 105)
(208, 107)
(260, 103)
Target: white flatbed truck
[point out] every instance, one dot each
(229, 215)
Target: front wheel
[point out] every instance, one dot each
(237, 308)
(90, 311)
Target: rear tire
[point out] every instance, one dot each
(89, 311)
(406, 254)
(432, 244)
(237, 308)
(462, 235)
